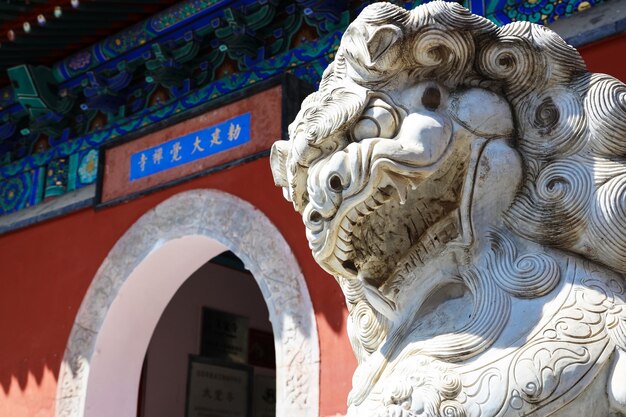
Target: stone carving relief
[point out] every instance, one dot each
(466, 186)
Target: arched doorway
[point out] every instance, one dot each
(104, 355)
(216, 321)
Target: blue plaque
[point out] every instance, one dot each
(191, 147)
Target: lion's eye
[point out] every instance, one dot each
(366, 128)
(379, 120)
(431, 99)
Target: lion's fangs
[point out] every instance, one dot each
(443, 152)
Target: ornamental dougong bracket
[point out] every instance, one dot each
(466, 186)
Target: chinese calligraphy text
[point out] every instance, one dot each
(191, 147)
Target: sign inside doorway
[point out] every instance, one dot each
(226, 341)
(224, 335)
(261, 351)
(218, 389)
(264, 393)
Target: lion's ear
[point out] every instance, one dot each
(278, 162)
(381, 40)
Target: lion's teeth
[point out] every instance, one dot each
(385, 192)
(403, 192)
(400, 184)
(343, 246)
(343, 234)
(346, 224)
(341, 255)
(371, 205)
(377, 199)
(361, 209)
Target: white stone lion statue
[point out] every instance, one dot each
(466, 186)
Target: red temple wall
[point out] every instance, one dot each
(607, 56)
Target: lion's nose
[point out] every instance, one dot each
(424, 138)
(335, 183)
(330, 180)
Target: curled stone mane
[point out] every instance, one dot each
(570, 123)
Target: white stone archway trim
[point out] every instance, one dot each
(231, 223)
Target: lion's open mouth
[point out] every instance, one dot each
(396, 224)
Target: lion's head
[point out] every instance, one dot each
(432, 132)
(403, 96)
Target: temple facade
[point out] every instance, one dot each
(149, 265)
